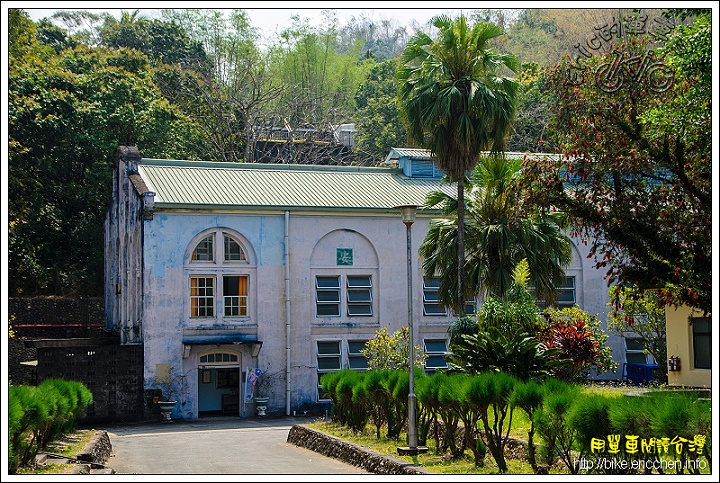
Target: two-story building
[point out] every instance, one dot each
(217, 268)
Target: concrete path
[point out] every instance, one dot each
(217, 445)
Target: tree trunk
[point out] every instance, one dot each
(461, 245)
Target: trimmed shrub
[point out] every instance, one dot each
(528, 397)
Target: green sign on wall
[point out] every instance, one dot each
(344, 256)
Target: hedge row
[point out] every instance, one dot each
(37, 415)
(660, 432)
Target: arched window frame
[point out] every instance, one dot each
(219, 287)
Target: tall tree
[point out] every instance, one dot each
(497, 239)
(67, 115)
(231, 97)
(377, 117)
(456, 101)
(635, 128)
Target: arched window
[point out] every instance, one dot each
(218, 358)
(218, 266)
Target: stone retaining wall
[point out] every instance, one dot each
(97, 450)
(351, 453)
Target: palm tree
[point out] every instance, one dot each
(497, 237)
(455, 102)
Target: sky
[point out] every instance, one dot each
(272, 17)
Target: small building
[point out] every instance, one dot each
(254, 280)
(689, 347)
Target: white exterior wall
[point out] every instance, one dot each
(379, 247)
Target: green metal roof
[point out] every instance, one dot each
(215, 185)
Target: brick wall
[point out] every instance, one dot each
(67, 338)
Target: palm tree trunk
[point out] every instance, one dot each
(461, 245)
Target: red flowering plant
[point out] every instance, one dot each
(580, 338)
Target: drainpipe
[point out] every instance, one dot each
(287, 313)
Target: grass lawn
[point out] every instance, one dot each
(68, 445)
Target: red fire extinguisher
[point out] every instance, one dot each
(674, 364)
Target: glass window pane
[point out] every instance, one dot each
(359, 309)
(328, 310)
(328, 296)
(636, 358)
(435, 346)
(233, 251)
(435, 361)
(328, 347)
(204, 250)
(357, 363)
(356, 346)
(359, 281)
(433, 309)
(431, 282)
(328, 282)
(325, 363)
(633, 344)
(359, 295)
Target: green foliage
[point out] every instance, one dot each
(377, 116)
(465, 325)
(375, 394)
(498, 237)
(516, 310)
(456, 101)
(489, 395)
(551, 422)
(571, 423)
(67, 116)
(528, 397)
(639, 314)
(580, 338)
(517, 354)
(385, 351)
(637, 165)
(37, 415)
(589, 417)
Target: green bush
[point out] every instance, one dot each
(528, 397)
(589, 418)
(38, 415)
(552, 425)
(685, 421)
(489, 393)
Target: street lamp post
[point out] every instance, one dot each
(408, 218)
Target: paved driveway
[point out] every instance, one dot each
(218, 445)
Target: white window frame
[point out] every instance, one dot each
(631, 351)
(210, 251)
(227, 238)
(566, 288)
(432, 301)
(327, 356)
(326, 299)
(433, 352)
(238, 302)
(365, 303)
(355, 355)
(213, 244)
(200, 297)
